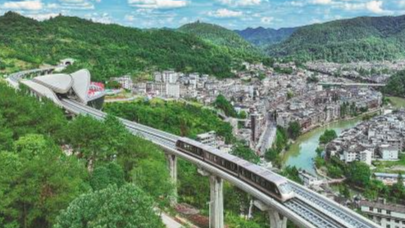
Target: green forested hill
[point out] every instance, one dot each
(107, 50)
(233, 43)
(363, 38)
(263, 37)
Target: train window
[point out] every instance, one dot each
(285, 188)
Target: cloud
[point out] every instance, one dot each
(22, 5)
(103, 18)
(375, 7)
(267, 20)
(158, 3)
(76, 4)
(130, 18)
(240, 2)
(296, 3)
(322, 2)
(225, 13)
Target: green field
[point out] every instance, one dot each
(397, 102)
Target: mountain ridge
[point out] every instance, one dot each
(361, 38)
(262, 37)
(107, 50)
(232, 42)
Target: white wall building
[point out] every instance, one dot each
(388, 153)
(385, 215)
(208, 138)
(125, 81)
(173, 90)
(349, 156)
(366, 157)
(387, 178)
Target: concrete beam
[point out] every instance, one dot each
(216, 203)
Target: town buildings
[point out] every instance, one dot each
(268, 98)
(381, 138)
(384, 214)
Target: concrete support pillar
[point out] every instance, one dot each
(277, 220)
(172, 164)
(216, 203)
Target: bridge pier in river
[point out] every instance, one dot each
(172, 164)
(277, 220)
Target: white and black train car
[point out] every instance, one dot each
(269, 183)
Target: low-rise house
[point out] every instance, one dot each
(384, 214)
(387, 178)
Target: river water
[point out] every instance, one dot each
(302, 152)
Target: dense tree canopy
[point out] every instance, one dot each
(363, 38)
(112, 207)
(327, 136)
(294, 129)
(223, 104)
(358, 173)
(396, 85)
(36, 181)
(246, 153)
(229, 40)
(107, 50)
(175, 117)
(45, 160)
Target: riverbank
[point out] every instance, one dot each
(302, 152)
(347, 118)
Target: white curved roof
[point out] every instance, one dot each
(42, 91)
(81, 84)
(59, 83)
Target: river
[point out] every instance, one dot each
(302, 152)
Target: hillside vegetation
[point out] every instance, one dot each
(106, 50)
(364, 38)
(263, 37)
(396, 85)
(174, 117)
(229, 40)
(49, 164)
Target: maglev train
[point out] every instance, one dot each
(262, 179)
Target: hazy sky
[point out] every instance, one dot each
(233, 14)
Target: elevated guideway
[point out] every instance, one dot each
(310, 209)
(307, 209)
(348, 84)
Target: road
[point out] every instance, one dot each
(170, 222)
(269, 136)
